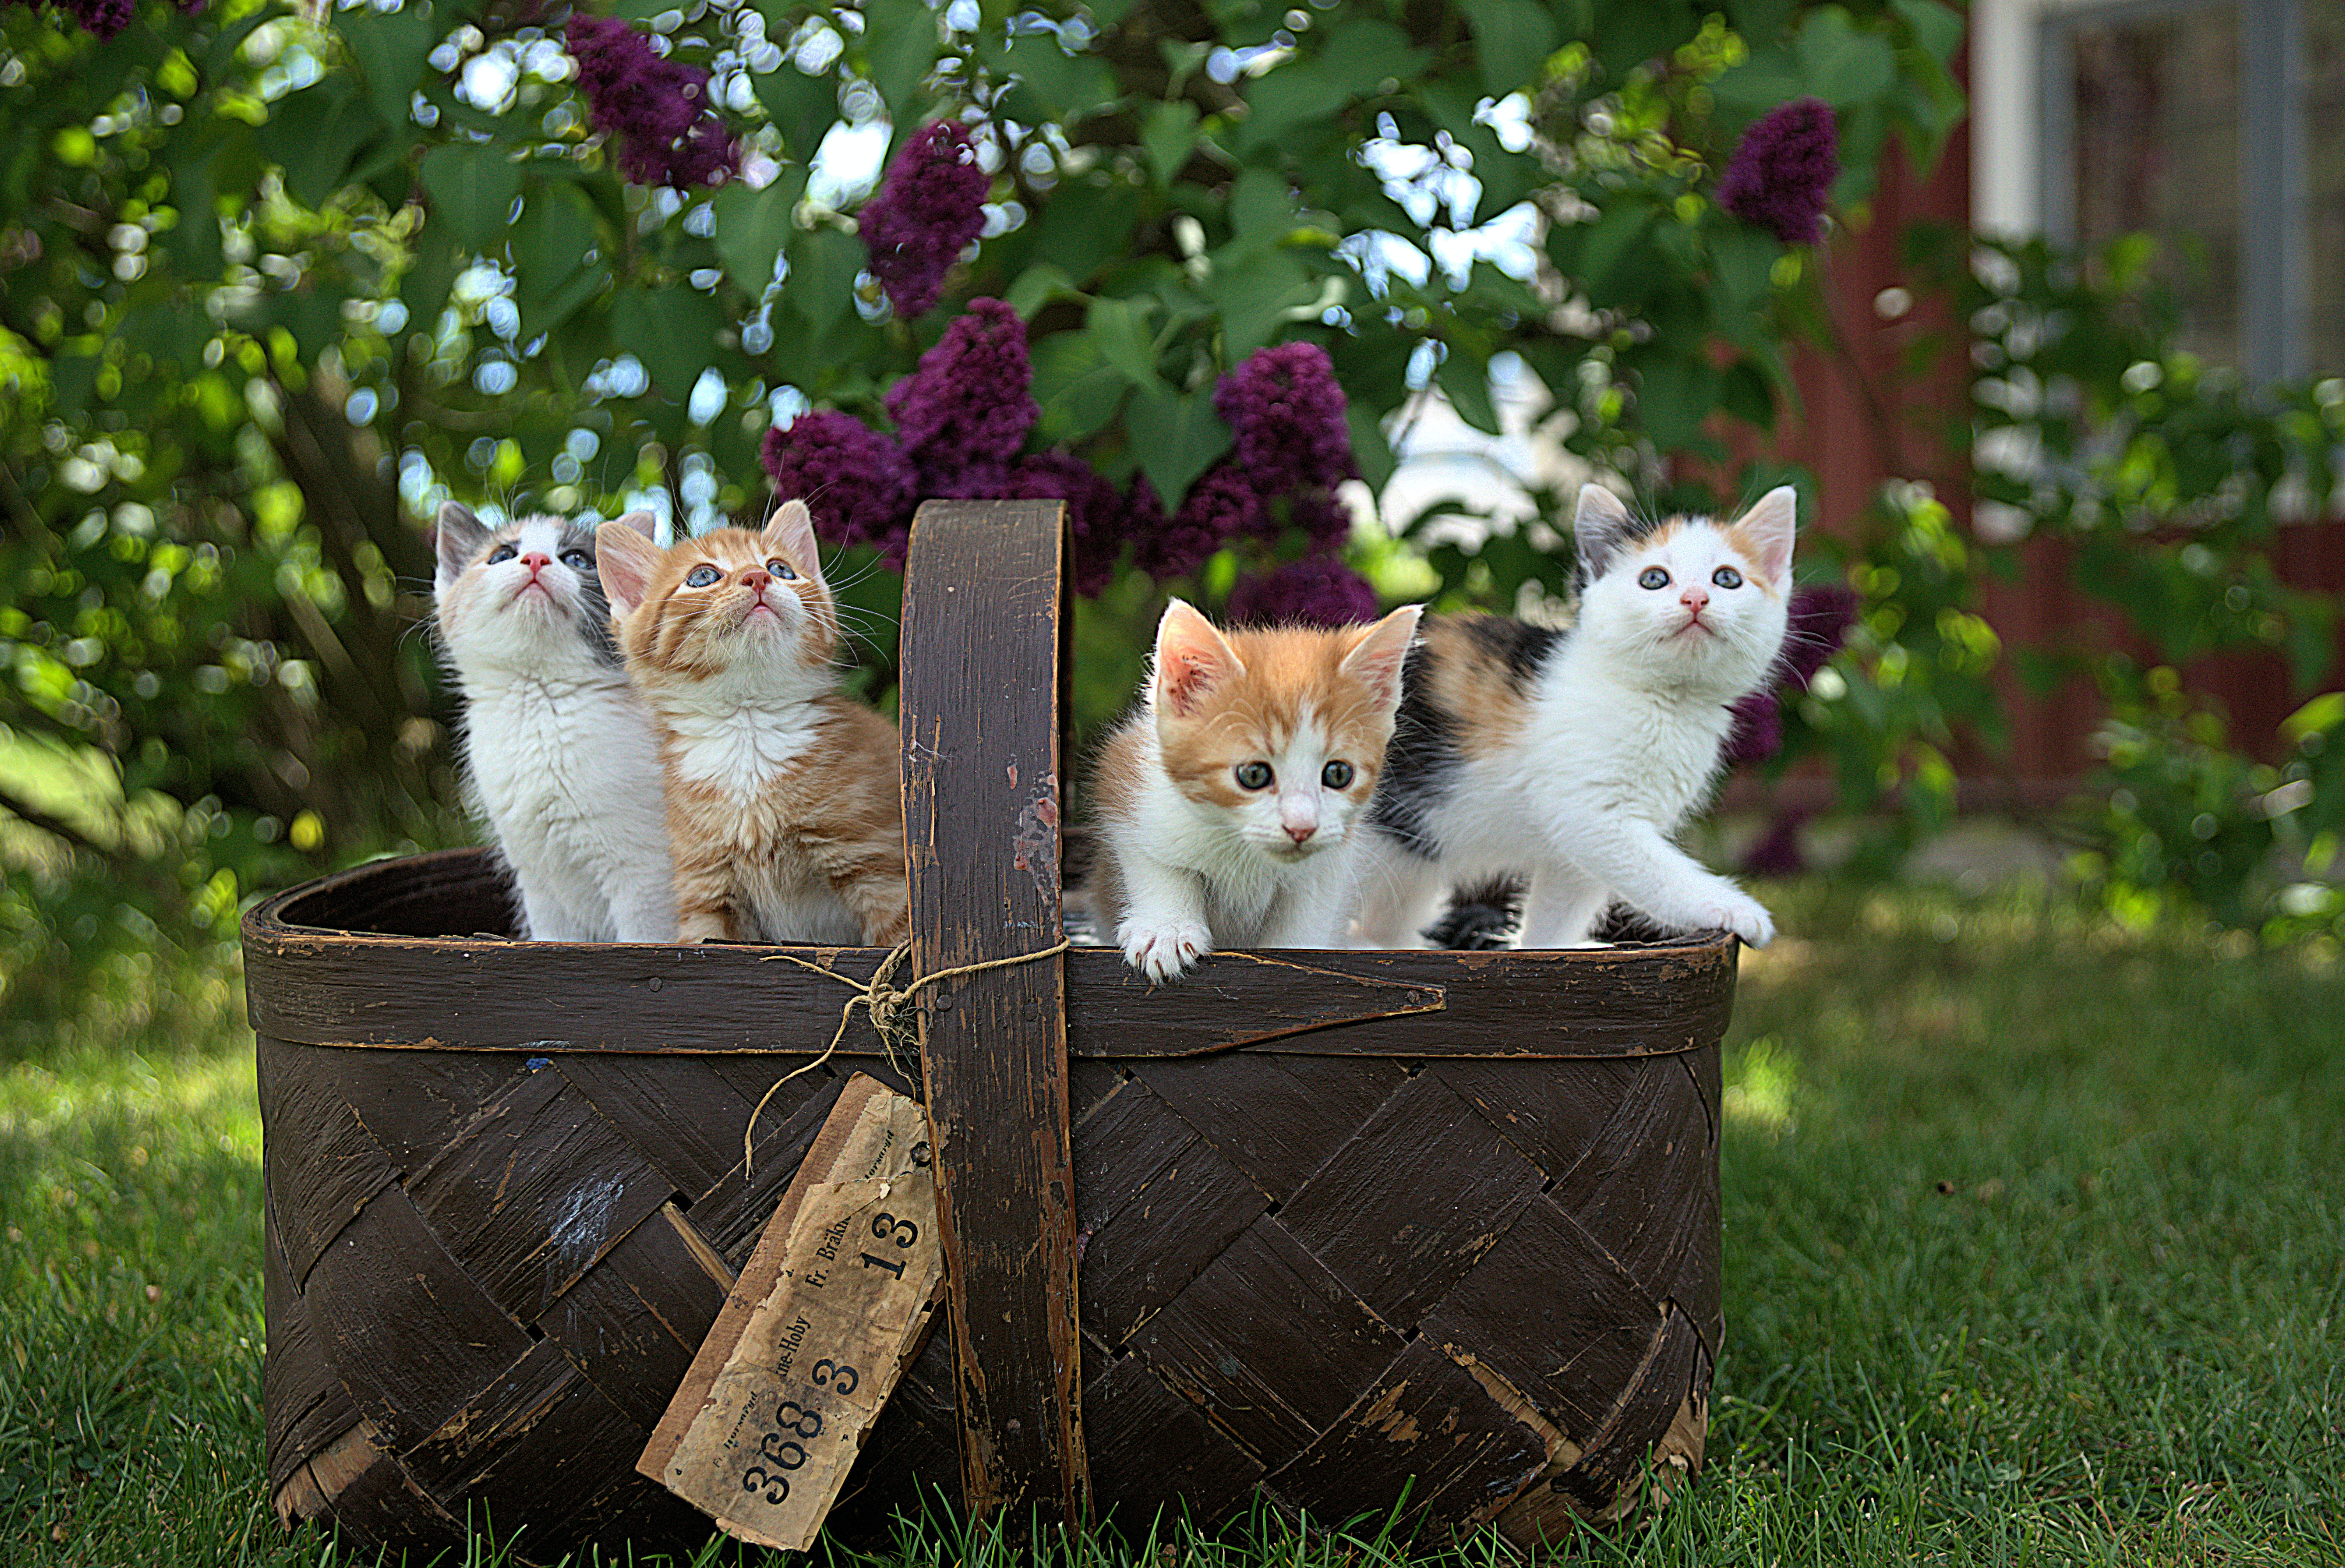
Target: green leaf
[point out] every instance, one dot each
(1843, 66)
(1742, 258)
(1937, 27)
(821, 282)
(802, 107)
(1036, 287)
(1121, 333)
(314, 316)
(1255, 286)
(1364, 54)
(1512, 38)
(552, 246)
(392, 49)
(1371, 453)
(754, 226)
(1260, 207)
(1675, 392)
(1169, 136)
(1280, 105)
(1077, 391)
(317, 134)
(424, 289)
(900, 41)
(672, 330)
(471, 191)
(1177, 439)
(1465, 379)
(1052, 86)
(1086, 227)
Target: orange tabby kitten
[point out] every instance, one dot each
(784, 812)
(1229, 805)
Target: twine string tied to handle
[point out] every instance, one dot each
(889, 1007)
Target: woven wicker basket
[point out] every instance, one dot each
(1334, 1228)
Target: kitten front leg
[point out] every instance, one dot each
(1561, 907)
(1637, 860)
(1396, 893)
(645, 914)
(1164, 929)
(543, 917)
(708, 905)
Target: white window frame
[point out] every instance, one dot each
(2023, 133)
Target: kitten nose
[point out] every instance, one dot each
(536, 561)
(1694, 598)
(755, 577)
(1301, 832)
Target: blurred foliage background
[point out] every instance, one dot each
(275, 282)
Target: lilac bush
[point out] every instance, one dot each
(1821, 617)
(651, 107)
(928, 208)
(1782, 173)
(1318, 590)
(857, 482)
(969, 404)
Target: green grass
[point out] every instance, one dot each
(2034, 1241)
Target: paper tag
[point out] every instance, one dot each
(817, 1331)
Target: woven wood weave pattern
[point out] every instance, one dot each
(1328, 1277)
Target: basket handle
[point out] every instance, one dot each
(979, 698)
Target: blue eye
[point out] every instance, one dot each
(700, 576)
(782, 569)
(578, 560)
(1727, 577)
(502, 552)
(1652, 577)
(1254, 774)
(1337, 775)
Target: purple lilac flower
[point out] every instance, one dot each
(1758, 732)
(1783, 170)
(855, 481)
(1287, 414)
(1222, 504)
(1325, 521)
(100, 18)
(1820, 618)
(970, 402)
(1318, 590)
(927, 209)
(1777, 854)
(654, 107)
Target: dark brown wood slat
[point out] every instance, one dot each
(1153, 1455)
(382, 1503)
(411, 1099)
(533, 1190)
(731, 1215)
(1231, 999)
(542, 1438)
(1402, 1211)
(411, 1334)
(632, 1325)
(1551, 1313)
(1426, 1428)
(323, 1165)
(303, 1404)
(1552, 1117)
(1276, 1117)
(981, 841)
(1616, 1454)
(685, 1121)
(1160, 1218)
(1619, 1191)
(1271, 1345)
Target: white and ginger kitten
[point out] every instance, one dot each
(1574, 756)
(1228, 804)
(560, 757)
(785, 802)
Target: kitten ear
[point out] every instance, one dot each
(1192, 658)
(456, 539)
(643, 523)
(625, 561)
(790, 529)
(1599, 526)
(1764, 533)
(1376, 659)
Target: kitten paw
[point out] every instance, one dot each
(1162, 952)
(1746, 917)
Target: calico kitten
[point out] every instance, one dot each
(1575, 755)
(1226, 805)
(561, 755)
(784, 804)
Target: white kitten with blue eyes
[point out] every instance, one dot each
(1574, 756)
(561, 759)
